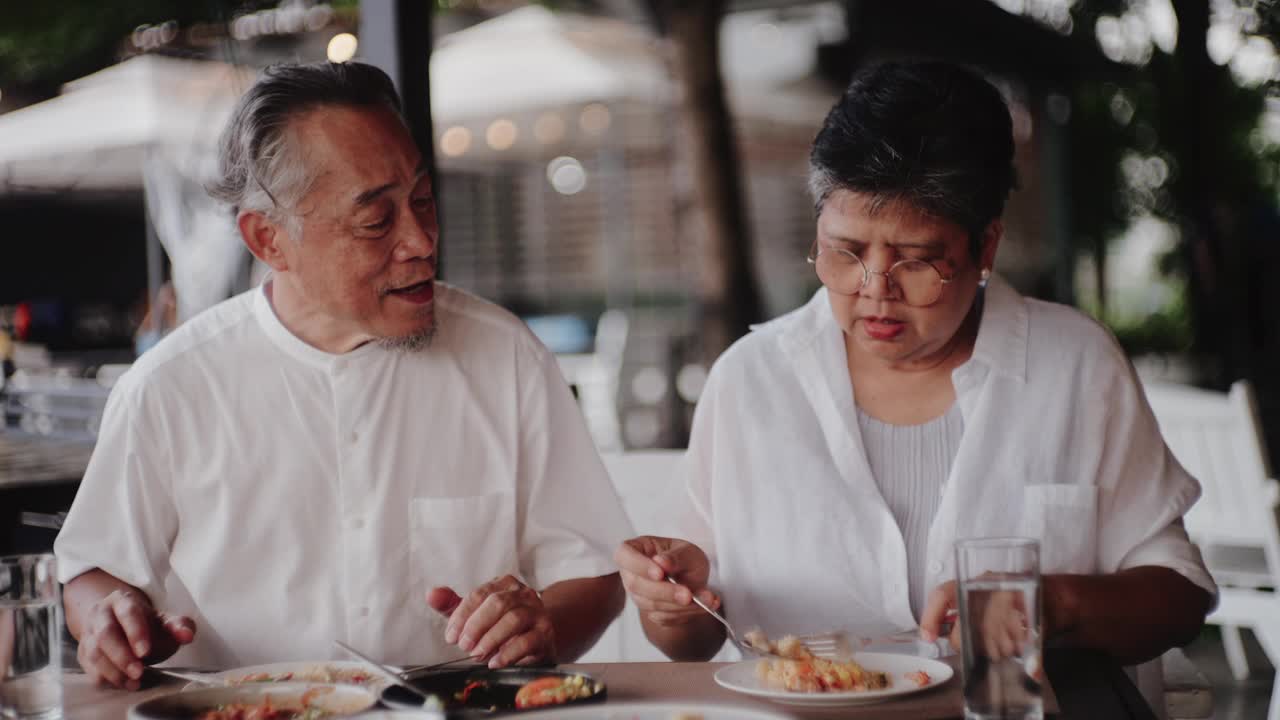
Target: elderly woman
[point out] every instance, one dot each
(838, 452)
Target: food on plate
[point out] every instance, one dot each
(262, 711)
(919, 677)
(799, 670)
(554, 691)
(271, 709)
(316, 674)
(465, 693)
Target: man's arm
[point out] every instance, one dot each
(86, 591)
(581, 610)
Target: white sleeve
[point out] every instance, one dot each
(1144, 490)
(570, 520)
(122, 520)
(1172, 548)
(692, 510)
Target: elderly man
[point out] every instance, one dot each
(331, 455)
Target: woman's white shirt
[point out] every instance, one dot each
(1059, 444)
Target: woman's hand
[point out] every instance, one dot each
(1004, 620)
(645, 563)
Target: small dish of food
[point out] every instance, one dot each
(477, 692)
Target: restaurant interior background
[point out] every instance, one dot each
(584, 186)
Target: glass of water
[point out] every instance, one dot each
(30, 638)
(998, 583)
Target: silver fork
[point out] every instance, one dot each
(837, 644)
(824, 645)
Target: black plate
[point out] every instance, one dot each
(498, 698)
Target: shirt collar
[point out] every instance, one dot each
(292, 344)
(1002, 332)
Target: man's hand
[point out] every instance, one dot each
(503, 620)
(124, 633)
(645, 563)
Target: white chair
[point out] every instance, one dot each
(649, 485)
(595, 376)
(1217, 439)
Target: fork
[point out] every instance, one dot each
(419, 669)
(824, 645)
(837, 643)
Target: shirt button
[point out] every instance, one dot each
(935, 567)
(339, 365)
(355, 437)
(364, 612)
(358, 524)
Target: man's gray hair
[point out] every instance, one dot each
(261, 167)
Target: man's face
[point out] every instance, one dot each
(364, 265)
(876, 319)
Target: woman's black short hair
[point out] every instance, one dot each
(932, 134)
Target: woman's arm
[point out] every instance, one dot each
(1134, 615)
(672, 622)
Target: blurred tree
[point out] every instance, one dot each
(727, 291)
(1173, 136)
(44, 44)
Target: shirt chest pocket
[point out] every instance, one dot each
(1065, 520)
(460, 542)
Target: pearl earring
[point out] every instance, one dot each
(983, 277)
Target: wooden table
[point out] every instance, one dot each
(627, 682)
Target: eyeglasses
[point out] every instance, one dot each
(918, 282)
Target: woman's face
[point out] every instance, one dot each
(877, 322)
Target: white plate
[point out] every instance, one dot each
(742, 678)
(656, 711)
(307, 672)
(337, 699)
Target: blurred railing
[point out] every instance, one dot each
(57, 403)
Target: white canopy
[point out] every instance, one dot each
(98, 132)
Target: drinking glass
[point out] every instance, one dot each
(30, 639)
(998, 583)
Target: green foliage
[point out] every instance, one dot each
(49, 42)
(1167, 332)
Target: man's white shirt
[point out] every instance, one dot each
(285, 497)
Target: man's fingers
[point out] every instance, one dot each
(488, 614)
(109, 653)
(181, 627)
(112, 646)
(512, 623)
(443, 600)
(462, 613)
(100, 670)
(134, 618)
(525, 648)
